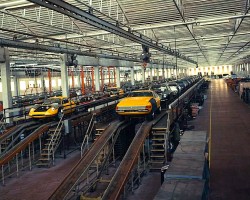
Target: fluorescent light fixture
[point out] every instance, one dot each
(213, 22)
(15, 4)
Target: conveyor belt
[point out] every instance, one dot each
(83, 165)
(121, 176)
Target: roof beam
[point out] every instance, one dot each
(179, 6)
(237, 24)
(74, 12)
(122, 9)
(46, 48)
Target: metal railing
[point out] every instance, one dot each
(55, 140)
(85, 142)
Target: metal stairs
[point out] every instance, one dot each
(47, 156)
(158, 149)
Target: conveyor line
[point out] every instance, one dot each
(83, 165)
(121, 176)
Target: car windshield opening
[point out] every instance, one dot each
(50, 101)
(141, 94)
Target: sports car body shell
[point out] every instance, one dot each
(52, 106)
(141, 102)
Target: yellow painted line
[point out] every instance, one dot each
(210, 128)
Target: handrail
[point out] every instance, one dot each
(118, 181)
(2, 122)
(83, 165)
(22, 145)
(55, 136)
(185, 94)
(14, 129)
(87, 135)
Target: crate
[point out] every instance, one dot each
(183, 190)
(191, 147)
(194, 136)
(188, 166)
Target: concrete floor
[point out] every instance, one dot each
(229, 164)
(230, 139)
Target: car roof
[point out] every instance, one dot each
(142, 91)
(58, 97)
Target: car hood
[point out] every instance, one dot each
(134, 101)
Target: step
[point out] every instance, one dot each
(157, 156)
(158, 139)
(45, 154)
(159, 134)
(43, 164)
(157, 144)
(50, 143)
(155, 169)
(159, 128)
(47, 149)
(44, 159)
(158, 150)
(56, 134)
(156, 161)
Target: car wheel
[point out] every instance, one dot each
(60, 113)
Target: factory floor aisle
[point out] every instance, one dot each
(229, 131)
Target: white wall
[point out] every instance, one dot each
(225, 69)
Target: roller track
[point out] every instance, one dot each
(84, 164)
(118, 182)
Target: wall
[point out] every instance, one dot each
(216, 70)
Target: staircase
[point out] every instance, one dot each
(4, 144)
(47, 155)
(98, 132)
(158, 150)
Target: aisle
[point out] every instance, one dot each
(230, 146)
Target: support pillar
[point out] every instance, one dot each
(151, 74)
(43, 83)
(64, 75)
(143, 74)
(157, 74)
(132, 76)
(97, 78)
(50, 84)
(6, 87)
(118, 79)
(79, 79)
(248, 70)
(16, 88)
(163, 73)
(82, 81)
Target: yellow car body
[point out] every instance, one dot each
(53, 107)
(141, 102)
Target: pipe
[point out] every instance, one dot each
(82, 79)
